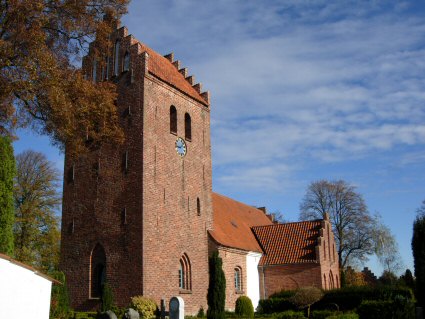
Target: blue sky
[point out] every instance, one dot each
(302, 91)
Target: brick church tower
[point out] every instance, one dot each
(137, 215)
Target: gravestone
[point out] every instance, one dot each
(131, 314)
(176, 308)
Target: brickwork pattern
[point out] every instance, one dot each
(233, 258)
(138, 199)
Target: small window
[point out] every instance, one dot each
(94, 74)
(238, 279)
(71, 174)
(98, 271)
(185, 276)
(126, 61)
(125, 162)
(324, 250)
(324, 281)
(173, 119)
(116, 57)
(198, 206)
(187, 127)
(105, 70)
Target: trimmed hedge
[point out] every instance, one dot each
(244, 307)
(275, 305)
(345, 299)
(400, 308)
(350, 298)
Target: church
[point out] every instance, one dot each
(142, 215)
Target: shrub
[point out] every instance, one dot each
(344, 316)
(201, 313)
(290, 314)
(305, 297)
(145, 306)
(400, 308)
(216, 295)
(283, 294)
(273, 305)
(323, 314)
(244, 307)
(59, 308)
(349, 298)
(107, 298)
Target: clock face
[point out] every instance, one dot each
(181, 147)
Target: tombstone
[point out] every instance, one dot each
(131, 314)
(176, 308)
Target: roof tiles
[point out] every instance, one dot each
(288, 243)
(233, 221)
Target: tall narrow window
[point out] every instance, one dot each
(126, 61)
(173, 119)
(198, 206)
(106, 68)
(185, 276)
(324, 250)
(94, 74)
(97, 271)
(324, 282)
(187, 127)
(238, 279)
(116, 57)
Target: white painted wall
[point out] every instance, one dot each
(23, 293)
(252, 277)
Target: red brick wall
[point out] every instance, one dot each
(275, 278)
(328, 257)
(288, 277)
(171, 187)
(158, 194)
(233, 258)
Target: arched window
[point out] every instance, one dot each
(173, 119)
(331, 280)
(97, 271)
(126, 61)
(185, 276)
(333, 252)
(336, 282)
(187, 127)
(198, 206)
(324, 282)
(238, 279)
(116, 57)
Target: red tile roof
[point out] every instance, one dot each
(233, 221)
(288, 243)
(163, 68)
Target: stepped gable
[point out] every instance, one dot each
(167, 70)
(289, 243)
(233, 221)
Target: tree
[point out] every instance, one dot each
(418, 247)
(306, 296)
(217, 288)
(36, 230)
(352, 224)
(386, 249)
(407, 279)
(7, 218)
(40, 44)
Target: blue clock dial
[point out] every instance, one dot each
(181, 147)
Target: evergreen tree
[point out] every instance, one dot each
(418, 247)
(7, 217)
(217, 288)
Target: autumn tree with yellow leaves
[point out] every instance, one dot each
(41, 86)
